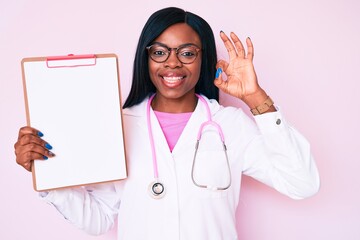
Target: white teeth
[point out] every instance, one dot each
(172, 79)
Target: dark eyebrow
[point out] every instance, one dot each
(182, 45)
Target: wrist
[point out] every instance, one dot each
(255, 99)
(259, 102)
(266, 106)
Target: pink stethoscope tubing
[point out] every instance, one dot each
(221, 134)
(156, 183)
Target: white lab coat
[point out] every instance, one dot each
(269, 150)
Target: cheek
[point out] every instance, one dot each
(152, 70)
(196, 70)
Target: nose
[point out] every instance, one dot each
(173, 60)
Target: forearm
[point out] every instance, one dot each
(92, 209)
(281, 157)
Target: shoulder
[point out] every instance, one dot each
(138, 110)
(232, 119)
(217, 110)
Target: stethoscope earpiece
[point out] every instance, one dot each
(156, 189)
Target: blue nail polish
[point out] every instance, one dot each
(40, 134)
(48, 146)
(45, 158)
(218, 72)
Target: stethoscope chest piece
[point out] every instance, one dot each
(156, 189)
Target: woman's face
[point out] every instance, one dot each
(173, 79)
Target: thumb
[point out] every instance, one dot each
(219, 82)
(222, 64)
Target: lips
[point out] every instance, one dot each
(173, 81)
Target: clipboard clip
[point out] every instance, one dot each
(71, 60)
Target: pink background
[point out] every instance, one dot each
(307, 57)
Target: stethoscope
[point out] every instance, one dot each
(156, 188)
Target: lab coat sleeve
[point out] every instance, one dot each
(279, 156)
(91, 208)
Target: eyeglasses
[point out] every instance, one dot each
(186, 53)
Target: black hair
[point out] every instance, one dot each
(158, 22)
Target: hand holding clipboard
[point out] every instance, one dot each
(31, 146)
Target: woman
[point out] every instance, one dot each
(186, 192)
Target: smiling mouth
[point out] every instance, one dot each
(173, 79)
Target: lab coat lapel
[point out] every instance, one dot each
(158, 134)
(139, 114)
(159, 138)
(190, 132)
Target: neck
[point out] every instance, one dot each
(171, 105)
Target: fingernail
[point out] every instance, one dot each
(218, 72)
(48, 146)
(51, 154)
(45, 157)
(40, 134)
(221, 31)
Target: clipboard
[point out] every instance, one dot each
(75, 101)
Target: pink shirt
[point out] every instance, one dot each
(172, 125)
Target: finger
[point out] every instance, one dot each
(222, 64)
(27, 166)
(29, 130)
(250, 49)
(219, 82)
(238, 44)
(221, 67)
(36, 149)
(26, 159)
(228, 45)
(27, 139)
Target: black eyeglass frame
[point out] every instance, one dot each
(197, 48)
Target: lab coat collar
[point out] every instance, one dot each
(190, 131)
(140, 109)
